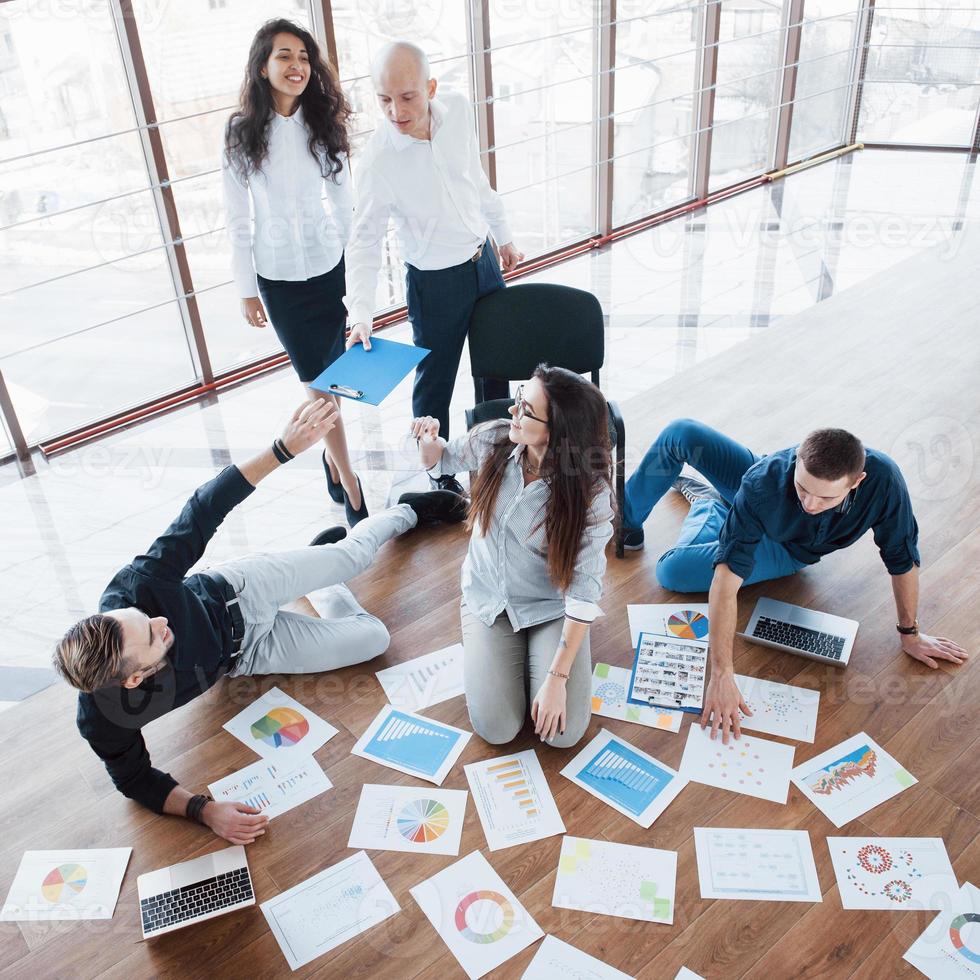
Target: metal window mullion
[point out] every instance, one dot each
(12, 423)
(323, 28)
(705, 106)
(127, 34)
(975, 145)
(862, 40)
(790, 73)
(606, 129)
(478, 24)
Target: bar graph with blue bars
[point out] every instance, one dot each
(621, 775)
(412, 743)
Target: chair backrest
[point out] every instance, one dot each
(514, 329)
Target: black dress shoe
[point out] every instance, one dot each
(436, 506)
(335, 489)
(354, 516)
(330, 536)
(447, 482)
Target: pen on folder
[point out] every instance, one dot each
(349, 392)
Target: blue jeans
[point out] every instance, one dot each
(689, 565)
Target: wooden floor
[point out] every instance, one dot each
(896, 361)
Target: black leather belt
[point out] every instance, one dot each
(233, 605)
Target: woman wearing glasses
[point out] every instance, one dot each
(540, 517)
(285, 148)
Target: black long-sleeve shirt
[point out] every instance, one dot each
(156, 583)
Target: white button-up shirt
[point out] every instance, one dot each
(507, 570)
(436, 192)
(289, 235)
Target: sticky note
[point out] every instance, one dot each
(567, 864)
(602, 670)
(648, 890)
(632, 714)
(904, 778)
(661, 908)
(582, 849)
(596, 704)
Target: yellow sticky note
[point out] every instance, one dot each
(582, 849)
(567, 864)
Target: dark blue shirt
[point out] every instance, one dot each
(155, 583)
(767, 504)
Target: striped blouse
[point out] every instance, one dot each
(507, 570)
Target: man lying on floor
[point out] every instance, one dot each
(162, 637)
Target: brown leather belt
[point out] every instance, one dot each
(478, 254)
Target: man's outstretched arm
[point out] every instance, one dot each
(920, 646)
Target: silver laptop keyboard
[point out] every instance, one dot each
(192, 901)
(800, 638)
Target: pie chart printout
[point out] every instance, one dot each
(280, 727)
(688, 624)
(64, 882)
(422, 821)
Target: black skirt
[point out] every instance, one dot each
(309, 318)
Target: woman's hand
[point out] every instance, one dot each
(235, 822)
(254, 312)
(310, 422)
(548, 709)
(425, 428)
(360, 333)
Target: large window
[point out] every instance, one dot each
(923, 77)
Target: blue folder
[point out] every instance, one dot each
(369, 376)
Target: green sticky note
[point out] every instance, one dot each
(904, 778)
(648, 890)
(582, 849)
(567, 864)
(602, 670)
(661, 908)
(632, 714)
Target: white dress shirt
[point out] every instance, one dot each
(436, 192)
(289, 234)
(507, 570)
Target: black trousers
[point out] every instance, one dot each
(440, 304)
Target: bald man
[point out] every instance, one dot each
(422, 169)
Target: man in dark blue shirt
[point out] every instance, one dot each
(162, 637)
(768, 516)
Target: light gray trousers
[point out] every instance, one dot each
(277, 641)
(494, 661)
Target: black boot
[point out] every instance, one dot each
(436, 506)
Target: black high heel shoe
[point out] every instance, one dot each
(335, 489)
(354, 516)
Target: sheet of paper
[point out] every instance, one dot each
(556, 959)
(630, 781)
(669, 672)
(685, 974)
(893, 872)
(424, 681)
(513, 800)
(616, 879)
(273, 787)
(477, 916)
(321, 913)
(949, 949)
(687, 620)
(609, 686)
(403, 818)
(779, 709)
(276, 727)
(851, 778)
(412, 744)
(756, 865)
(72, 884)
(750, 765)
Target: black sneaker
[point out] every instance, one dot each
(447, 482)
(436, 506)
(331, 536)
(633, 538)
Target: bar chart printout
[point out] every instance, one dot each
(272, 787)
(513, 799)
(412, 744)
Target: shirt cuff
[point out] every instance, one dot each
(359, 313)
(581, 610)
(501, 233)
(246, 284)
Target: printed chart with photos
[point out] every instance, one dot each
(669, 672)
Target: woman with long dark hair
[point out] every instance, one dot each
(285, 145)
(540, 518)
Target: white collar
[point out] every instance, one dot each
(297, 117)
(437, 111)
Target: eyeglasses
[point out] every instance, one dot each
(523, 409)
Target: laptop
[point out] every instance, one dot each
(193, 891)
(805, 632)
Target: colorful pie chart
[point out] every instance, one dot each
(688, 624)
(473, 933)
(280, 727)
(422, 821)
(64, 882)
(955, 937)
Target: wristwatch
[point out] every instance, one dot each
(912, 630)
